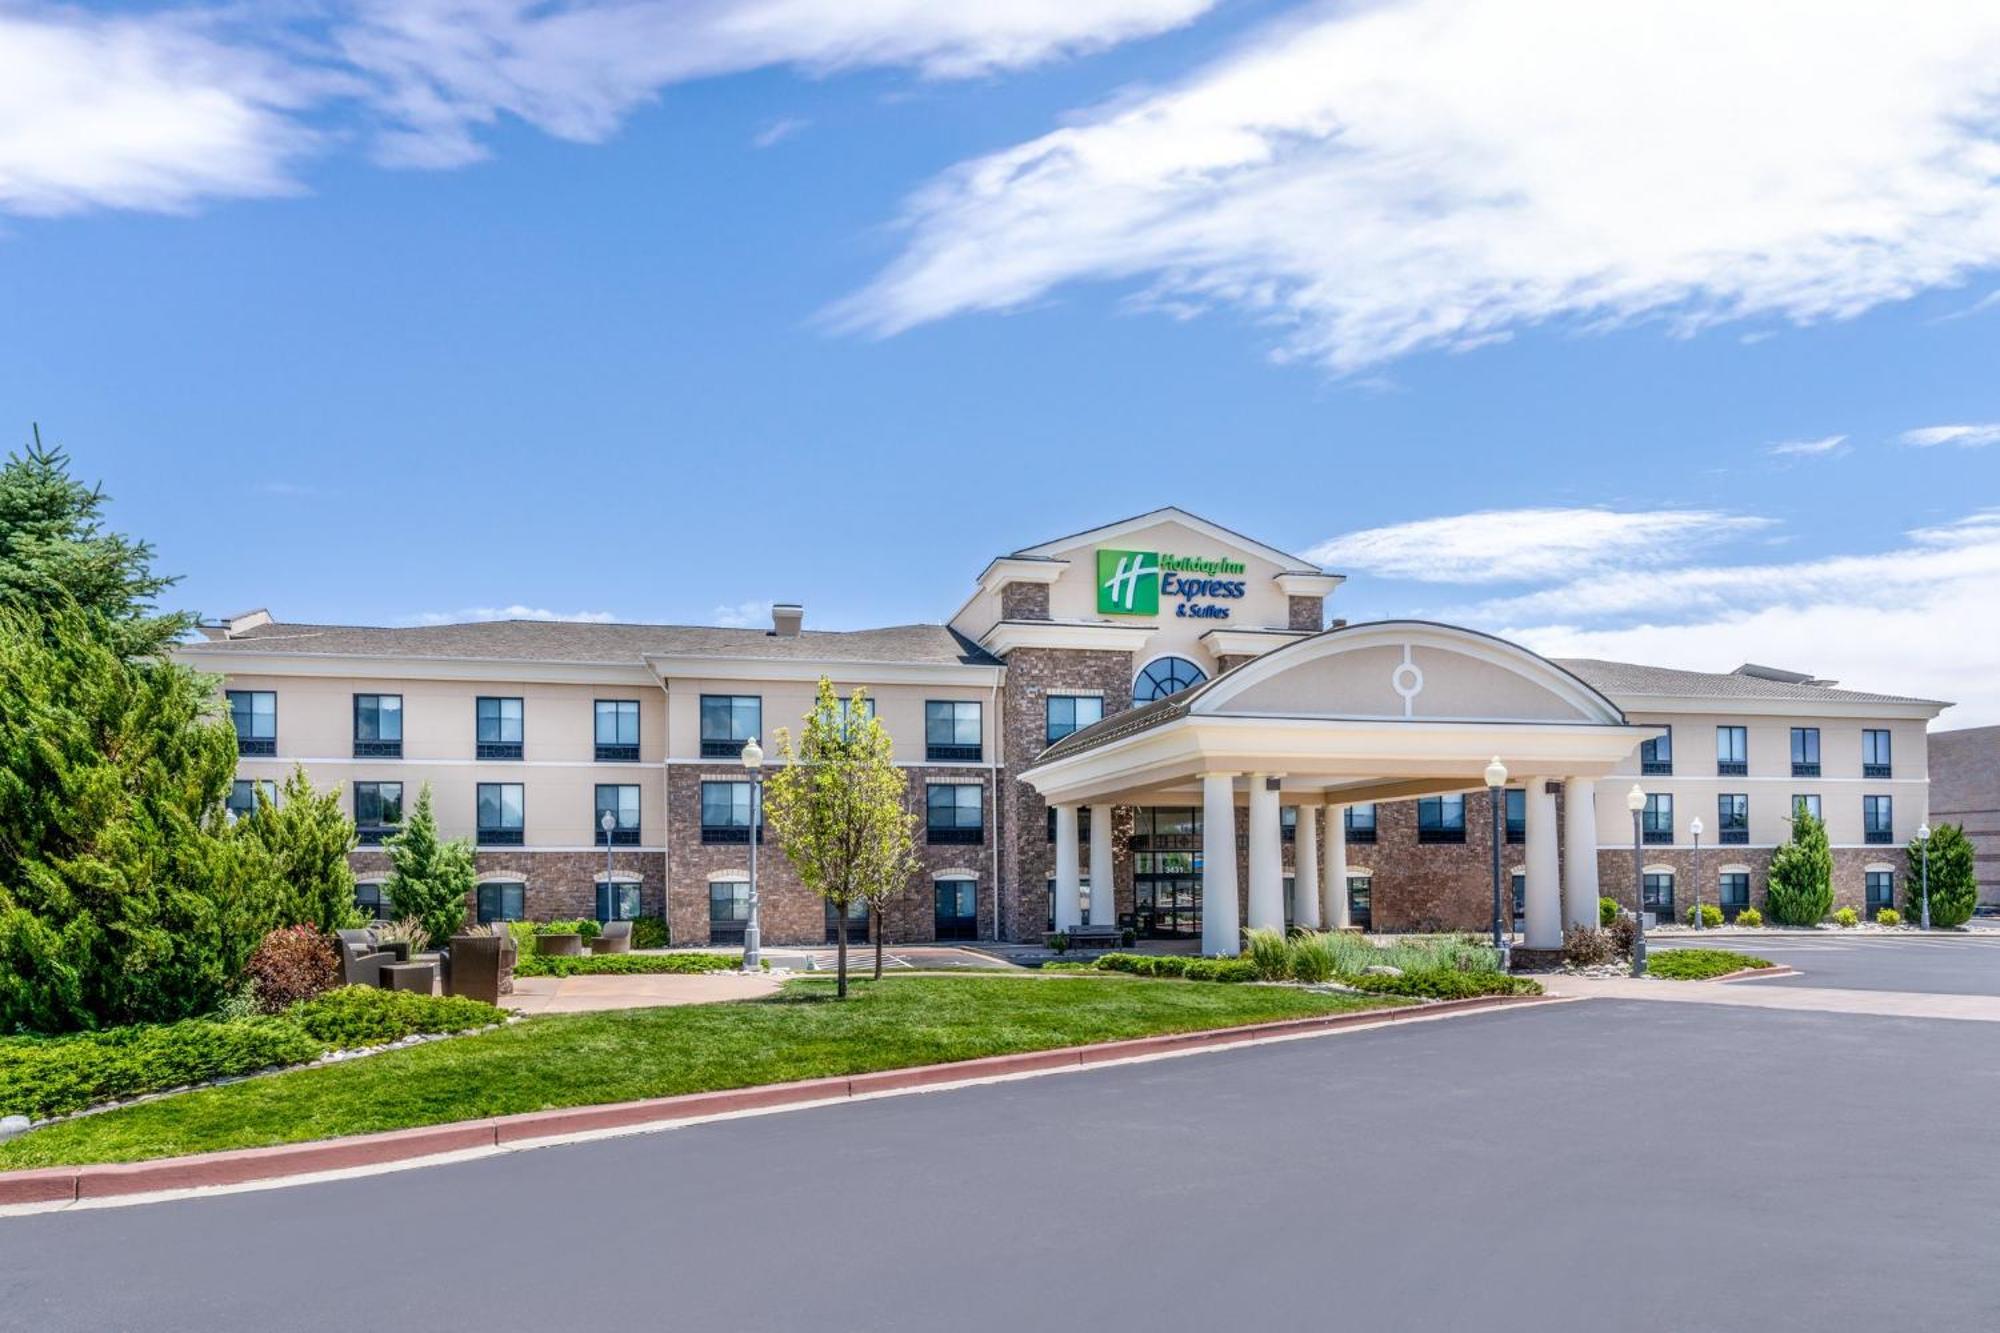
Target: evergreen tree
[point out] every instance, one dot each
(123, 895)
(1801, 888)
(430, 879)
(54, 552)
(1954, 880)
(307, 836)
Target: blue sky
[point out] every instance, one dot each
(662, 311)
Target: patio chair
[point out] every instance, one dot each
(616, 937)
(360, 960)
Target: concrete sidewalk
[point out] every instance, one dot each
(1763, 995)
(587, 994)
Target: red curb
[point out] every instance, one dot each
(243, 1165)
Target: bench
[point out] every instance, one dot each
(1089, 937)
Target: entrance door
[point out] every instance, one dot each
(957, 909)
(1166, 895)
(857, 923)
(1881, 891)
(1360, 902)
(1659, 896)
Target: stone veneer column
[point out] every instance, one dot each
(1544, 890)
(1068, 909)
(1103, 887)
(1219, 933)
(1333, 883)
(1267, 856)
(1580, 892)
(1305, 869)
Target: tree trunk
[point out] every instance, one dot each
(876, 926)
(840, 984)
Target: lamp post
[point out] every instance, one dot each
(1496, 778)
(608, 821)
(1924, 842)
(1694, 827)
(1635, 801)
(753, 760)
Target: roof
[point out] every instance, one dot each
(1626, 679)
(1285, 560)
(572, 641)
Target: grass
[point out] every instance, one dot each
(1700, 964)
(587, 1059)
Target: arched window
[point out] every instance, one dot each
(1164, 676)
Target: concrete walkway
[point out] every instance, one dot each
(580, 995)
(1755, 994)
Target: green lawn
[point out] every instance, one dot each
(1699, 964)
(586, 1059)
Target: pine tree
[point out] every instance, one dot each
(1800, 892)
(307, 837)
(430, 879)
(1954, 879)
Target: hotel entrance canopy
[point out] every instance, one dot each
(1376, 712)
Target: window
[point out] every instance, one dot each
(727, 721)
(617, 900)
(500, 809)
(847, 715)
(1732, 891)
(957, 909)
(1656, 824)
(378, 726)
(499, 728)
(1806, 804)
(1070, 712)
(622, 804)
(1082, 825)
(1657, 754)
(1657, 894)
(1878, 819)
(951, 731)
(1732, 817)
(1875, 753)
(255, 714)
(1082, 900)
(857, 922)
(378, 811)
(618, 730)
(243, 796)
(373, 903)
(1517, 815)
(502, 902)
(1288, 825)
(1360, 902)
(1805, 752)
(954, 813)
(1732, 751)
(1881, 891)
(1165, 676)
(1360, 822)
(726, 814)
(1519, 881)
(728, 910)
(1441, 819)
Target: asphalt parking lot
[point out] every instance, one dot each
(1594, 1165)
(1939, 963)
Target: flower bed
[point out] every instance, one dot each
(1700, 964)
(621, 964)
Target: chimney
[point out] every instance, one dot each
(244, 621)
(786, 617)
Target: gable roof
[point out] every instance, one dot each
(1285, 560)
(1630, 679)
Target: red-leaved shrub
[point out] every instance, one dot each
(292, 963)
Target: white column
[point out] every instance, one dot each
(1333, 883)
(1580, 890)
(1219, 933)
(1068, 910)
(1103, 894)
(1305, 870)
(1544, 890)
(1267, 856)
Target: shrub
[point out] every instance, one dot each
(1313, 957)
(650, 932)
(409, 931)
(583, 926)
(1700, 964)
(1060, 941)
(1270, 952)
(1449, 984)
(1219, 969)
(1585, 946)
(307, 836)
(1457, 953)
(1954, 885)
(1800, 889)
(622, 964)
(1711, 915)
(428, 878)
(293, 963)
(1888, 916)
(354, 1016)
(1174, 965)
(49, 1076)
(1846, 916)
(1750, 917)
(1607, 911)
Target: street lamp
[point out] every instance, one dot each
(753, 760)
(1635, 801)
(1924, 842)
(1694, 827)
(1496, 778)
(608, 821)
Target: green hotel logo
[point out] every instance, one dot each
(1129, 583)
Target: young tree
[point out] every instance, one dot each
(54, 552)
(838, 808)
(1801, 887)
(123, 895)
(430, 879)
(307, 837)
(1953, 878)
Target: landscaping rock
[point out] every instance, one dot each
(12, 1125)
(1381, 970)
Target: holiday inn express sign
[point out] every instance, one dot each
(1131, 583)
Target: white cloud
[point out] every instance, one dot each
(1417, 174)
(743, 615)
(513, 612)
(1826, 444)
(1965, 437)
(1526, 545)
(779, 130)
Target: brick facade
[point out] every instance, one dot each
(1024, 601)
(1306, 613)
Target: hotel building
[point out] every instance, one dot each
(1152, 724)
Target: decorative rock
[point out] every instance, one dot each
(12, 1125)
(1381, 970)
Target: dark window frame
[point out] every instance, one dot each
(1871, 834)
(1732, 818)
(734, 831)
(374, 832)
(1656, 755)
(1883, 764)
(730, 746)
(253, 744)
(617, 750)
(1049, 724)
(1355, 832)
(1517, 828)
(1440, 828)
(956, 833)
(378, 746)
(1732, 766)
(498, 746)
(501, 892)
(624, 834)
(1656, 821)
(1152, 683)
(613, 897)
(499, 835)
(729, 928)
(949, 713)
(1805, 752)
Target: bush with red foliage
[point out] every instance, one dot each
(292, 963)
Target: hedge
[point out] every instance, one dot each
(621, 964)
(1700, 964)
(1448, 984)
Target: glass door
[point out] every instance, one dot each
(957, 914)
